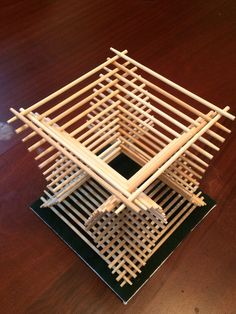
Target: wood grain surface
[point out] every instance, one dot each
(46, 44)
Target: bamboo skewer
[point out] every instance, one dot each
(65, 88)
(191, 197)
(170, 161)
(165, 127)
(124, 220)
(178, 101)
(164, 137)
(174, 85)
(74, 120)
(69, 155)
(151, 152)
(78, 117)
(74, 185)
(177, 123)
(78, 130)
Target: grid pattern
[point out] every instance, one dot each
(128, 240)
(116, 108)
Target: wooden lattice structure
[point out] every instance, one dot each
(124, 107)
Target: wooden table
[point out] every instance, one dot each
(46, 44)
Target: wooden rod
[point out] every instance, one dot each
(69, 162)
(153, 153)
(66, 101)
(174, 85)
(66, 87)
(149, 157)
(59, 161)
(177, 100)
(179, 152)
(171, 160)
(167, 139)
(81, 128)
(163, 156)
(66, 191)
(78, 105)
(74, 175)
(161, 113)
(42, 141)
(90, 121)
(102, 130)
(59, 166)
(32, 134)
(95, 163)
(98, 125)
(87, 157)
(96, 177)
(165, 127)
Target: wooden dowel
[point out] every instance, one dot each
(39, 143)
(128, 120)
(149, 157)
(177, 154)
(65, 88)
(75, 160)
(73, 186)
(163, 156)
(159, 142)
(136, 138)
(179, 218)
(72, 226)
(81, 128)
(158, 111)
(177, 100)
(107, 173)
(102, 130)
(165, 127)
(32, 134)
(176, 177)
(90, 121)
(57, 169)
(133, 91)
(75, 175)
(36, 145)
(171, 160)
(70, 122)
(66, 101)
(153, 153)
(59, 161)
(102, 156)
(161, 113)
(78, 105)
(98, 125)
(167, 139)
(102, 138)
(174, 85)
(132, 110)
(186, 166)
(94, 162)
(129, 143)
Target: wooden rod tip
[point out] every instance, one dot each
(12, 119)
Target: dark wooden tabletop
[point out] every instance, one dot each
(46, 44)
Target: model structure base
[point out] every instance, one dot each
(148, 252)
